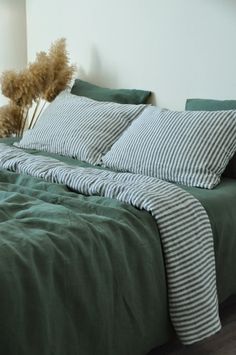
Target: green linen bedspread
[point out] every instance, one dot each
(85, 275)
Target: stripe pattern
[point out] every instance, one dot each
(191, 148)
(182, 221)
(79, 127)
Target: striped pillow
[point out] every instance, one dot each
(79, 127)
(190, 147)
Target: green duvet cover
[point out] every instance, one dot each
(85, 275)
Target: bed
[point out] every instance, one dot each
(84, 273)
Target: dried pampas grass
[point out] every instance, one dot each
(61, 72)
(19, 87)
(41, 81)
(10, 120)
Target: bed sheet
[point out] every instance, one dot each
(220, 204)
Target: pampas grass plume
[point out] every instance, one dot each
(43, 79)
(10, 119)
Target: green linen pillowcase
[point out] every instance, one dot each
(215, 105)
(122, 96)
(209, 105)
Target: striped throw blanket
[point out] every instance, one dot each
(183, 224)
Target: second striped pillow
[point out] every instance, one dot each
(191, 148)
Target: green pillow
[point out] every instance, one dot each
(209, 105)
(122, 96)
(215, 105)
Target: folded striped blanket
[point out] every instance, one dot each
(182, 221)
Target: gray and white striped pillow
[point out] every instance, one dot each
(79, 127)
(191, 148)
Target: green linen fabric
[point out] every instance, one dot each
(215, 105)
(85, 274)
(122, 96)
(209, 105)
(79, 275)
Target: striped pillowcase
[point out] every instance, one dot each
(191, 147)
(79, 127)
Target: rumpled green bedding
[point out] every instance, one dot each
(77, 274)
(85, 275)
